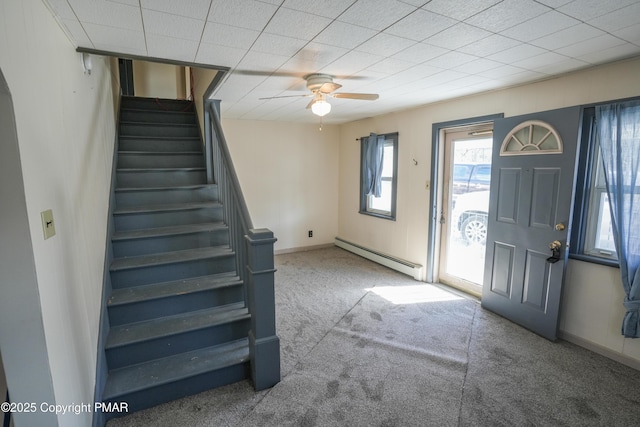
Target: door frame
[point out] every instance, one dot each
(435, 185)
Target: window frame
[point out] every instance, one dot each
(585, 224)
(390, 138)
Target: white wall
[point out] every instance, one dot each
(65, 126)
(587, 286)
(289, 177)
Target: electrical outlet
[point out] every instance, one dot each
(310, 233)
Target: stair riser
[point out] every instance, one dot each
(179, 343)
(186, 387)
(153, 160)
(140, 129)
(138, 221)
(158, 145)
(128, 179)
(145, 310)
(133, 247)
(168, 272)
(155, 104)
(150, 116)
(138, 198)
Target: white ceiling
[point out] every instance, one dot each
(411, 52)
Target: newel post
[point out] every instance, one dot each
(264, 344)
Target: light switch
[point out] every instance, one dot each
(48, 227)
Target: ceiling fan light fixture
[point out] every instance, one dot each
(321, 108)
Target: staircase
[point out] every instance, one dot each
(178, 320)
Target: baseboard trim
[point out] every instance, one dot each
(409, 268)
(601, 350)
(302, 249)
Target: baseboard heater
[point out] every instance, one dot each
(406, 267)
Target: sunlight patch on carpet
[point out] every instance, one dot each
(413, 294)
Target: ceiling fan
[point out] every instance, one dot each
(321, 87)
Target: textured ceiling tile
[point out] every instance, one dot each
(451, 60)
(196, 9)
(260, 61)
(300, 25)
(172, 25)
(390, 66)
(500, 72)
(493, 44)
(77, 33)
(589, 9)
(61, 9)
(128, 2)
(630, 34)
(376, 14)
(564, 66)
(315, 56)
(443, 77)
(536, 63)
(506, 14)
(116, 37)
(279, 45)
(344, 35)
(457, 36)
(419, 25)
(420, 52)
(417, 72)
(540, 26)
(618, 19)
(625, 50)
(352, 63)
(554, 3)
(577, 50)
(385, 44)
(327, 8)
(108, 14)
(227, 35)
(250, 14)
(566, 37)
(516, 53)
(477, 66)
(459, 9)
(169, 47)
(219, 55)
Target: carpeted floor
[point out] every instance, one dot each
(362, 345)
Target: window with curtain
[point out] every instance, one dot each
(592, 238)
(378, 175)
(606, 226)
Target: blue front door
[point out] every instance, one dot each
(532, 183)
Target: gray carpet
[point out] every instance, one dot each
(362, 345)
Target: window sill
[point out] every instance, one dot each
(595, 260)
(378, 215)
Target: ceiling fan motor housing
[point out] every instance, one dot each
(316, 81)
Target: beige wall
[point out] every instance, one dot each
(65, 126)
(289, 177)
(202, 78)
(155, 80)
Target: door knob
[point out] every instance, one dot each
(555, 251)
(559, 226)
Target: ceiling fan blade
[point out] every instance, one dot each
(329, 87)
(286, 96)
(311, 103)
(364, 96)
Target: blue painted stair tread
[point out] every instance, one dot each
(168, 369)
